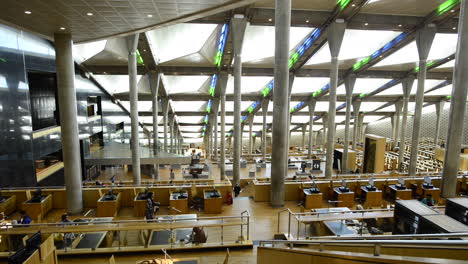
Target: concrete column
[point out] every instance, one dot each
(215, 134)
(132, 43)
(424, 39)
(253, 144)
(171, 133)
(250, 135)
(398, 106)
(222, 100)
(242, 139)
(311, 106)
(335, 38)
(439, 108)
(155, 79)
(264, 127)
(356, 106)
(304, 129)
(362, 128)
(68, 121)
(325, 124)
(350, 81)
(407, 86)
(238, 25)
(279, 161)
(165, 112)
(457, 109)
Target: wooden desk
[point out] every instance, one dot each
(404, 194)
(108, 208)
(372, 198)
(181, 204)
(213, 205)
(435, 192)
(346, 198)
(139, 206)
(37, 211)
(312, 200)
(8, 206)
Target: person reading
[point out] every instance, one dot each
(428, 200)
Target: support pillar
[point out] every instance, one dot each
(304, 128)
(424, 39)
(264, 127)
(335, 38)
(68, 121)
(215, 134)
(325, 130)
(132, 43)
(171, 133)
(222, 97)
(407, 86)
(165, 113)
(396, 136)
(457, 109)
(238, 25)
(350, 81)
(250, 135)
(439, 108)
(155, 79)
(311, 106)
(279, 159)
(356, 106)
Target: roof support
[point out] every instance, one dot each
(238, 25)
(407, 85)
(457, 109)
(132, 42)
(350, 81)
(424, 39)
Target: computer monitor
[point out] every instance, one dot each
(19, 256)
(428, 182)
(34, 241)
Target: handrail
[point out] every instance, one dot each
(377, 244)
(289, 221)
(391, 237)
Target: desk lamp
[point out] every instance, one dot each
(401, 184)
(371, 186)
(343, 187)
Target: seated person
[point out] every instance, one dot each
(198, 235)
(110, 196)
(151, 206)
(303, 166)
(37, 198)
(237, 190)
(24, 218)
(215, 194)
(428, 200)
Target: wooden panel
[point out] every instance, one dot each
(37, 211)
(91, 196)
(21, 196)
(34, 258)
(59, 200)
(108, 208)
(9, 205)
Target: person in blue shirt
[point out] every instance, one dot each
(428, 200)
(25, 219)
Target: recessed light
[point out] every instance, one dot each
(307, 21)
(89, 14)
(149, 15)
(453, 10)
(27, 12)
(454, 28)
(62, 28)
(353, 5)
(400, 25)
(144, 50)
(366, 24)
(270, 19)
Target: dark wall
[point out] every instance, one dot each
(43, 98)
(21, 53)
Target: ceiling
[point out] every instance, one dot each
(185, 53)
(109, 17)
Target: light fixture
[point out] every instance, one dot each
(27, 12)
(453, 10)
(62, 28)
(270, 19)
(144, 50)
(454, 28)
(149, 15)
(366, 24)
(307, 21)
(353, 5)
(89, 14)
(400, 25)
